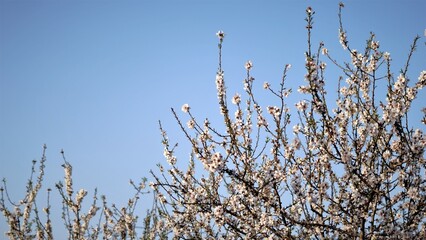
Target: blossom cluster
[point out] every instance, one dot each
(25, 220)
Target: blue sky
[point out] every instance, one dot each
(94, 77)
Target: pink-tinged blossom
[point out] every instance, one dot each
(275, 111)
(153, 186)
(220, 84)
(375, 45)
(302, 105)
(221, 35)
(190, 124)
(261, 121)
(236, 99)
(215, 162)
(266, 85)
(287, 66)
(386, 56)
(286, 93)
(296, 128)
(342, 39)
(248, 65)
(185, 108)
(372, 64)
(169, 156)
(68, 178)
(422, 80)
(303, 89)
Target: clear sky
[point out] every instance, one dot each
(94, 77)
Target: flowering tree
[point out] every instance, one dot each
(27, 221)
(350, 170)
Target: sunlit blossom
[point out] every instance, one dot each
(185, 108)
(342, 39)
(422, 79)
(191, 124)
(296, 128)
(288, 66)
(386, 56)
(375, 45)
(302, 105)
(220, 34)
(236, 99)
(248, 65)
(266, 85)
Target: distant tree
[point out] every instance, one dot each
(26, 221)
(350, 169)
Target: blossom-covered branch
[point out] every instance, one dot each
(353, 169)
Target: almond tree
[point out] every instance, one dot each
(100, 221)
(349, 169)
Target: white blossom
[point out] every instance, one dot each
(185, 108)
(248, 65)
(266, 85)
(220, 34)
(236, 99)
